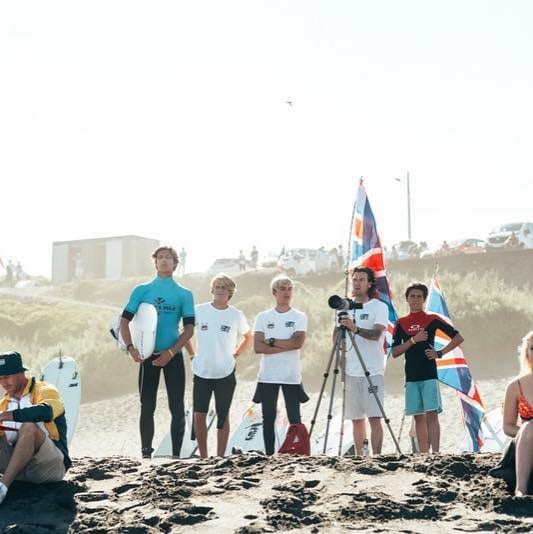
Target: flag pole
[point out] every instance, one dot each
(343, 346)
(349, 247)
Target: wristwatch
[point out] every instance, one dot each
(271, 341)
(439, 353)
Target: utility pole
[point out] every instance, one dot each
(408, 185)
(408, 207)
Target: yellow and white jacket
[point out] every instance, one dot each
(40, 403)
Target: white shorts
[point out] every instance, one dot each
(360, 401)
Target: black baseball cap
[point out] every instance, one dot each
(11, 363)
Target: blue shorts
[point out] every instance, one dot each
(422, 396)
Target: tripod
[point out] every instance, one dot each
(338, 352)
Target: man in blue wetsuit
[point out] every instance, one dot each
(173, 303)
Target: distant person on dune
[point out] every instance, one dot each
(242, 261)
(518, 415)
(254, 256)
(222, 335)
(279, 334)
(512, 243)
(182, 262)
(33, 428)
(10, 273)
(19, 272)
(173, 303)
(414, 336)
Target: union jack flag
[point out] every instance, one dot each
(452, 370)
(366, 251)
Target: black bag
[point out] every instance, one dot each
(506, 468)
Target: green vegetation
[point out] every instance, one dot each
(41, 330)
(490, 307)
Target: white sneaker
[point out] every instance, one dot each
(3, 492)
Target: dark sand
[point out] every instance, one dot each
(253, 493)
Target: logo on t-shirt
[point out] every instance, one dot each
(363, 316)
(270, 325)
(225, 328)
(289, 324)
(203, 327)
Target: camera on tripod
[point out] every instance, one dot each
(343, 304)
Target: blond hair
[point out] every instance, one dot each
(226, 281)
(526, 364)
(280, 280)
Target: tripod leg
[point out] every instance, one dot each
(323, 387)
(332, 395)
(343, 381)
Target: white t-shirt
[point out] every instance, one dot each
(217, 334)
(373, 312)
(283, 367)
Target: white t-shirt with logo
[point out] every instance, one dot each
(283, 367)
(217, 333)
(373, 312)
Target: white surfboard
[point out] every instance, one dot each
(188, 445)
(248, 436)
(62, 372)
(332, 445)
(143, 329)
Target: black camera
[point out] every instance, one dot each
(340, 304)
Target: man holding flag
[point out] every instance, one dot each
(414, 335)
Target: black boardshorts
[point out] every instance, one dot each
(223, 389)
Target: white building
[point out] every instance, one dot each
(105, 257)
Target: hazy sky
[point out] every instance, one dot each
(168, 119)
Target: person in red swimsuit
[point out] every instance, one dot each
(519, 402)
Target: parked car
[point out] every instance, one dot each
(468, 246)
(522, 230)
(302, 261)
(224, 265)
(270, 261)
(404, 250)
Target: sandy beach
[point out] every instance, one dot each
(109, 489)
(251, 493)
(110, 427)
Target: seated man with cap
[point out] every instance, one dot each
(33, 428)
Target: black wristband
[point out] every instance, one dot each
(271, 341)
(439, 353)
(128, 346)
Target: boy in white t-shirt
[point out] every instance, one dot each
(279, 334)
(222, 335)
